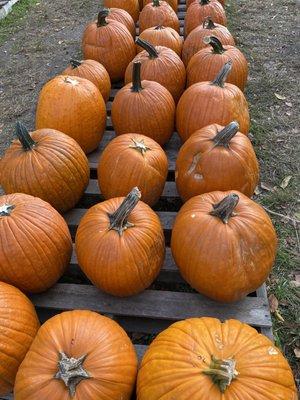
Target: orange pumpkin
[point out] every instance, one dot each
(206, 103)
(120, 245)
(133, 160)
(162, 36)
(131, 6)
(144, 107)
(172, 3)
(189, 2)
(18, 327)
(74, 106)
(120, 15)
(78, 355)
(162, 65)
(158, 13)
(205, 359)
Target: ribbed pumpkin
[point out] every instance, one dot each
(205, 359)
(120, 245)
(189, 2)
(144, 107)
(120, 15)
(158, 13)
(206, 103)
(35, 243)
(162, 65)
(131, 6)
(47, 164)
(78, 355)
(110, 43)
(199, 10)
(74, 106)
(133, 160)
(173, 3)
(162, 36)
(205, 64)
(216, 158)
(18, 327)
(194, 42)
(224, 244)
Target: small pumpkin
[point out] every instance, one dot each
(162, 65)
(74, 106)
(120, 15)
(45, 164)
(216, 158)
(78, 355)
(110, 43)
(206, 103)
(133, 160)
(172, 3)
(162, 36)
(194, 42)
(158, 13)
(131, 6)
(35, 243)
(18, 327)
(120, 245)
(205, 359)
(144, 107)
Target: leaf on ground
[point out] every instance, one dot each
(279, 96)
(297, 352)
(273, 302)
(257, 191)
(286, 181)
(295, 284)
(289, 104)
(267, 187)
(278, 316)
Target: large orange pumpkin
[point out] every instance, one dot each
(207, 103)
(144, 107)
(173, 3)
(131, 6)
(18, 327)
(162, 36)
(120, 245)
(74, 106)
(133, 160)
(205, 359)
(35, 243)
(120, 15)
(158, 12)
(78, 355)
(45, 164)
(224, 244)
(216, 158)
(162, 65)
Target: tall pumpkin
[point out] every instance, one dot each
(207, 103)
(35, 243)
(205, 359)
(162, 36)
(131, 6)
(144, 107)
(122, 16)
(120, 245)
(78, 355)
(74, 106)
(172, 3)
(158, 12)
(18, 327)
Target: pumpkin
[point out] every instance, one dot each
(131, 6)
(74, 106)
(144, 107)
(35, 243)
(172, 3)
(206, 103)
(110, 43)
(120, 15)
(78, 355)
(93, 71)
(120, 245)
(189, 2)
(162, 65)
(158, 13)
(133, 160)
(194, 42)
(205, 359)
(162, 36)
(216, 158)
(18, 327)
(199, 10)
(205, 64)
(45, 164)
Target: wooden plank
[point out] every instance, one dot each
(262, 293)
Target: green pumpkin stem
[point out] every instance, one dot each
(225, 209)
(6, 210)
(220, 79)
(103, 13)
(136, 77)
(215, 44)
(222, 372)
(223, 137)
(208, 23)
(155, 3)
(148, 47)
(75, 63)
(24, 137)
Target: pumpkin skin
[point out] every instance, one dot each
(45, 164)
(107, 357)
(122, 16)
(74, 106)
(246, 245)
(18, 327)
(131, 6)
(36, 237)
(206, 103)
(177, 362)
(133, 160)
(172, 3)
(120, 258)
(158, 13)
(162, 36)
(216, 158)
(145, 108)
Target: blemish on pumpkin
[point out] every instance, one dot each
(72, 81)
(272, 351)
(193, 165)
(198, 176)
(220, 345)
(193, 215)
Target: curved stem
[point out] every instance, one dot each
(148, 47)
(136, 77)
(139, 145)
(222, 372)
(155, 3)
(208, 23)
(6, 210)
(225, 209)
(223, 137)
(101, 21)
(220, 79)
(215, 44)
(24, 137)
(75, 63)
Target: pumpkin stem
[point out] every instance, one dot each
(208, 23)
(119, 219)
(159, 27)
(6, 210)
(136, 77)
(139, 145)
(225, 209)
(24, 137)
(204, 2)
(71, 371)
(220, 79)
(155, 3)
(215, 44)
(223, 137)
(222, 372)
(148, 47)
(102, 17)
(75, 63)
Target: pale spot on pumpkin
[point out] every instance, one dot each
(219, 342)
(272, 351)
(193, 165)
(193, 215)
(72, 81)
(198, 177)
